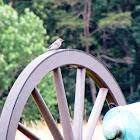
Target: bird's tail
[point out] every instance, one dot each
(49, 48)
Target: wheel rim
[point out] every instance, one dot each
(37, 69)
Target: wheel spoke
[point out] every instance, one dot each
(27, 132)
(62, 104)
(47, 115)
(96, 110)
(79, 104)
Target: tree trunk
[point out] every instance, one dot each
(12, 3)
(86, 18)
(131, 86)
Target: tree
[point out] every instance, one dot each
(22, 38)
(136, 52)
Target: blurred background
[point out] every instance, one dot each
(107, 29)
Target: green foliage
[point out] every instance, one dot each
(135, 97)
(113, 20)
(135, 32)
(135, 22)
(21, 40)
(69, 22)
(60, 18)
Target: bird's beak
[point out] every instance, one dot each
(63, 40)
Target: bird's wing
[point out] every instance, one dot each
(54, 46)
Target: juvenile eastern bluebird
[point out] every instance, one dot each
(56, 44)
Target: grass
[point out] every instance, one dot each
(42, 131)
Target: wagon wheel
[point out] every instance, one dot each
(35, 71)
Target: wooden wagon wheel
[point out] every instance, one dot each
(35, 71)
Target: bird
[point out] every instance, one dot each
(55, 45)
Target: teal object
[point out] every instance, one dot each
(122, 123)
